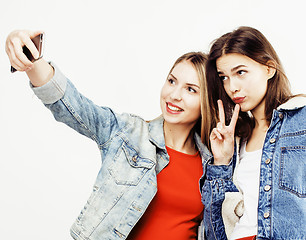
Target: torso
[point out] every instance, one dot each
(247, 173)
(176, 210)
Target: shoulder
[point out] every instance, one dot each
(131, 122)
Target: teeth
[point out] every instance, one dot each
(174, 108)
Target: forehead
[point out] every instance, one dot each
(229, 61)
(185, 71)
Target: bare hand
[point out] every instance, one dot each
(13, 47)
(222, 137)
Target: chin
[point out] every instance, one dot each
(170, 119)
(242, 109)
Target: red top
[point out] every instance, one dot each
(176, 210)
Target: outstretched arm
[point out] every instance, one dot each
(59, 95)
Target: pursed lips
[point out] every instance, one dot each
(238, 99)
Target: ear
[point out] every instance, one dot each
(271, 69)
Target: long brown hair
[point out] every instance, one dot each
(204, 125)
(251, 43)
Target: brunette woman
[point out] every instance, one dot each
(254, 187)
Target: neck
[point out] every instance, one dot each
(179, 138)
(260, 117)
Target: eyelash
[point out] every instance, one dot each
(192, 90)
(189, 89)
(222, 78)
(171, 81)
(241, 72)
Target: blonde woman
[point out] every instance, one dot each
(148, 185)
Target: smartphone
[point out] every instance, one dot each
(39, 44)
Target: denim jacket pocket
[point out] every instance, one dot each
(292, 170)
(128, 167)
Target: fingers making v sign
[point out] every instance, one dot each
(222, 137)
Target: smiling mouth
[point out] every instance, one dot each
(173, 109)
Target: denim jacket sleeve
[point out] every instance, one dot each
(218, 180)
(72, 108)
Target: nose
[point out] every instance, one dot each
(234, 85)
(176, 94)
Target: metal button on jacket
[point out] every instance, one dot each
(267, 187)
(266, 215)
(268, 160)
(272, 140)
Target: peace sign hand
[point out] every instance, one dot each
(222, 137)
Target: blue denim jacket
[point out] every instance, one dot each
(132, 153)
(282, 191)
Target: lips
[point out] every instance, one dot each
(173, 109)
(238, 99)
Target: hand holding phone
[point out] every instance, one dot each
(39, 44)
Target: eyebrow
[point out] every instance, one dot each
(188, 84)
(233, 69)
(173, 76)
(192, 85)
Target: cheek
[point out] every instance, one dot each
(227, 87)
(195, 104)
(259, 84)
(163, 92)
(197, 111)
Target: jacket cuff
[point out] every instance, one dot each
(53, 90)
(224, 172)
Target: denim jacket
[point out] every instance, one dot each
(132, 153)
(282, 191)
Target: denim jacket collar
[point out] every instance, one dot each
(156, 132)
(204, 151)
(157, 137)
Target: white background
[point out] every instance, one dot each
(118, 53)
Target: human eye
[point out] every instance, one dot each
(190, 89)
(241, 72)
(223, 78)
(171, 81)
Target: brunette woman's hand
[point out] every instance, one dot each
(13, 47)
(222, 138)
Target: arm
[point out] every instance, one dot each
(59, 95)
(69, 106)
(218, 178)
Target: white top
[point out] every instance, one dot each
(248, 172)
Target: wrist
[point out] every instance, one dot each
(40, 73)
(221, 161)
